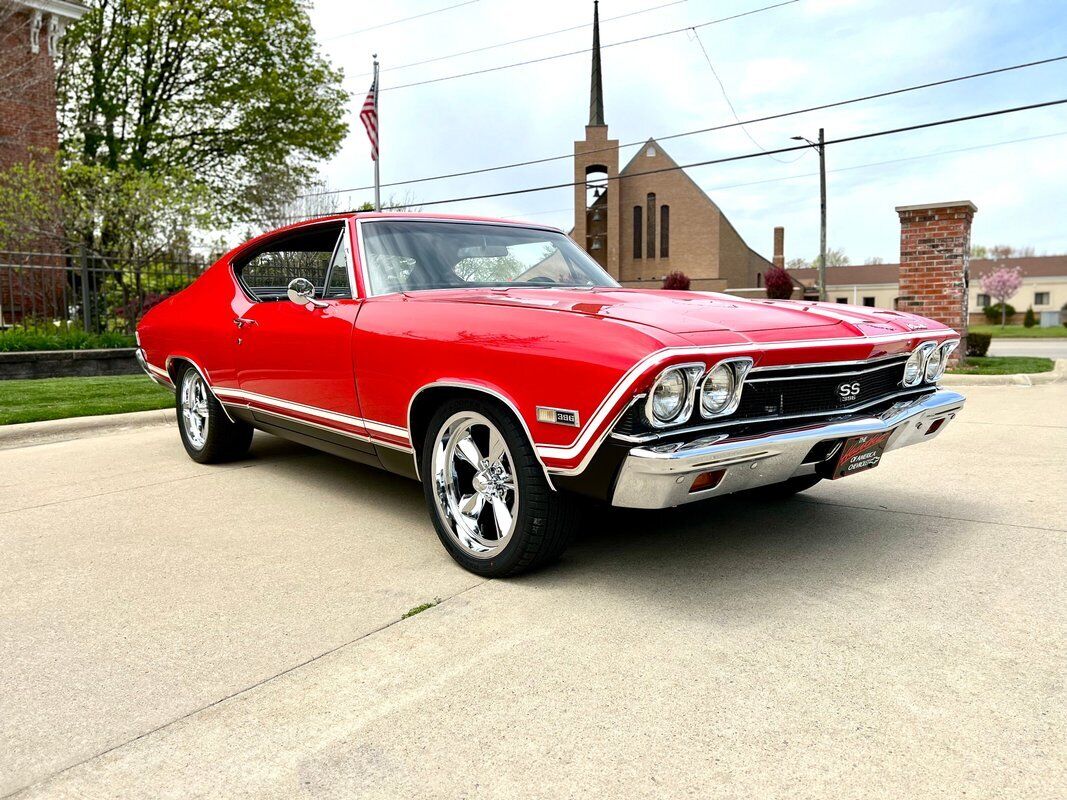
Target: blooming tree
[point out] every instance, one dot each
(1000, 285)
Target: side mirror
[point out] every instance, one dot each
(302, 292)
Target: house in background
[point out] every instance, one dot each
(651, 218)
(1044, 285)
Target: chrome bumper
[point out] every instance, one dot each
(152, 372)
(661, 476)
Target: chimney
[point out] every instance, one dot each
(779, 247)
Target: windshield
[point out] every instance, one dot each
(410, 255)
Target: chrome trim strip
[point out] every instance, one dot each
(492, 393)
(207, 381)
(625, 383)
(843, 411)
(903, 360)
(156, 374)
(314, 411)
(874, 360)
(358, 436)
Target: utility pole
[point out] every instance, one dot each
(378, 153)
(822, 210)
(820, 147)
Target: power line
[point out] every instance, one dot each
(783, 178)
(754, 120)
(733, 111)
(487, 47)
(851, 167)
(586, 49)
(403, 19)
(746, 156)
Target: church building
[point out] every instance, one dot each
(651, 218)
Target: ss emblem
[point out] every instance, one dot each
(848, 391)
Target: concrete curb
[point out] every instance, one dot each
(27, 434)
(1059, 373)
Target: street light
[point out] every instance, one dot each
(820, 146)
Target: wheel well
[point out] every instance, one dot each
(429, 400)
(175, 367)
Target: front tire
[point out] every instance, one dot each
(487, 493)
(207, 433)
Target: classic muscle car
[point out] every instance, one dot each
(498, 364)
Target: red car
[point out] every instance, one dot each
(501, 366)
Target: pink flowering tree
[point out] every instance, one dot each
(1000, 285)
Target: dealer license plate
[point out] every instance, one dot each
(858, 454)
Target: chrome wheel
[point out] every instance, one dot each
(474, 484)
(194, 398)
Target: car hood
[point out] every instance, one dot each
(684, 313)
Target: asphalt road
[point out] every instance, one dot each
(1041, 348)
(173, 630)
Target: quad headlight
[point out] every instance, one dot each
(938, 361)
(671, 398)
(720, 391)
(915, 367)
(674, 392)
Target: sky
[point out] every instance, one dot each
(801, 54)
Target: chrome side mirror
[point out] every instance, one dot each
(302, 292)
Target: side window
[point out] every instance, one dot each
(306, 253)
(337, 286)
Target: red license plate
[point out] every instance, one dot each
(859, 454)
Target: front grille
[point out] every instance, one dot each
(793, 392)
(771, 393)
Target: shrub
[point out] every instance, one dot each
(1029, 320)
(992, 313)
(676, 280)
(779, 284)
(978, 343)
(18, 340)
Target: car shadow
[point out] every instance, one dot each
(739, 550)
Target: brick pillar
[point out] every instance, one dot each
(779, 247)
(935, 246)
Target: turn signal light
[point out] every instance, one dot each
(707, 480)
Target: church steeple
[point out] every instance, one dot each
(596, 85)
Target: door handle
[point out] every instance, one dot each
(240, 322)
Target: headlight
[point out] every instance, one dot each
(671, 398)
(718, 389)
(938, 362)
(720, 392)
(916, 364)
(934, 365)
(668, 396)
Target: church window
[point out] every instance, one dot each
(650, 234)
(664, 231)
(637, 231)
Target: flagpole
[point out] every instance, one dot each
(377, 113)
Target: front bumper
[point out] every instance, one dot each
(662, 476)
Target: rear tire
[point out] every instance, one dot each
(207, 433)
(487, 493)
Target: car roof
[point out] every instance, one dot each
(379, 215)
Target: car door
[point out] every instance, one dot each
(294, 364)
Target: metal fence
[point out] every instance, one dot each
(43, 292)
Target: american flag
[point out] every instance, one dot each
(369, 117)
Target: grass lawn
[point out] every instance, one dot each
(1004, 365)
(59, 398)
(1020, 332)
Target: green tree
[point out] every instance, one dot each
(233, 92)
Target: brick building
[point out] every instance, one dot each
(32, 283)
(29, 36)
(640, 227)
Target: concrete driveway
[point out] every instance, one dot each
(169, 630)
(1039, 348)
